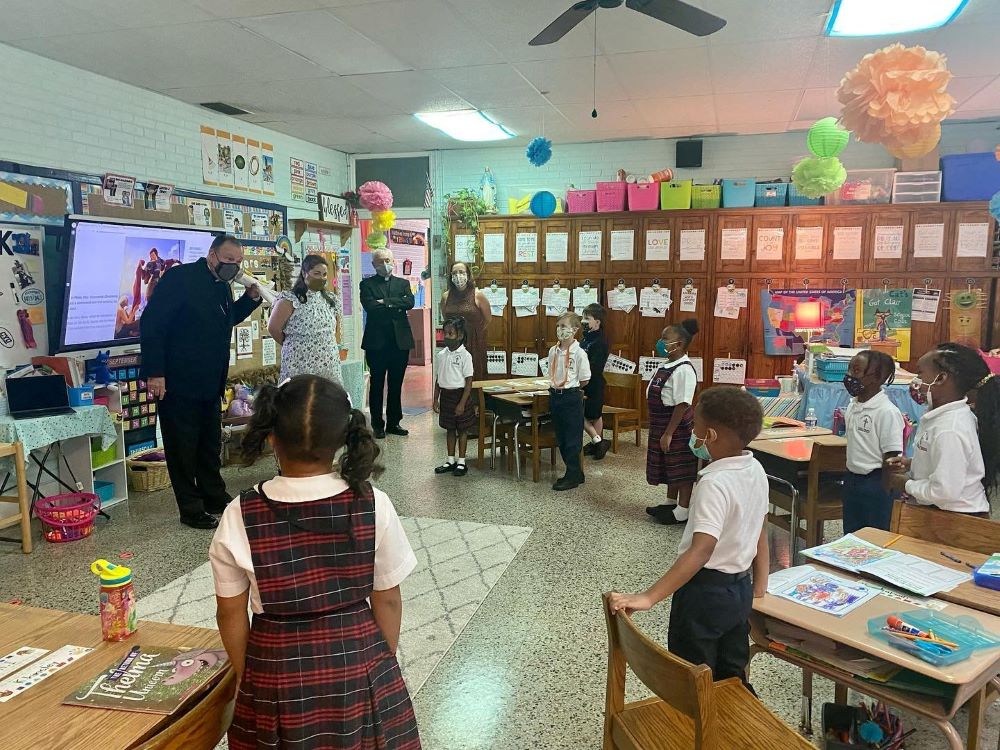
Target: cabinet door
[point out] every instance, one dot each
(769, 242)
(625, 239)
(694, 230)
(528, 248)
(622, 327)
(589, 237)
(929, 244)
(554, 247)
(730, 336)
(966, 311)
(499, 330)
(458, 234)
(890, 228)
(733, 243)
(807, 243)
(847, 242)
(972, 244)
(525, 331)
(493, 234)
(656, 246)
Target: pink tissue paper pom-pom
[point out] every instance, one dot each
(375, 196)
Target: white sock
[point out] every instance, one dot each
(596, 439)
(461, 462)
(680, 513)
(451, 460)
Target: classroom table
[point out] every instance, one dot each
(823, 398)
(971, 678)
(491, 388)
(537, 402)
(968, 593)
(37, 719)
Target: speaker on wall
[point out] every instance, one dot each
(688, 154)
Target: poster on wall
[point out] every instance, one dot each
(240, 175)
(312, 177)
(781, 336)
(119, 190)
(254, 166)
(25, 199)
(225, 158)
(23, 330)
(233, 221)
(267, 168)
(965, 316)
(297, 179)
(209, 156)
(157, 196)
(883, 321)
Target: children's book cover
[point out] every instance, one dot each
(151, 680)
(883, 321)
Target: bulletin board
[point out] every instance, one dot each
(27, 199)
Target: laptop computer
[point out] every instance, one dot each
(37, 396)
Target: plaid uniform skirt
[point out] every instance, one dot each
(449, 419)
(676, 465)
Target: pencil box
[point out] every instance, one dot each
(987, 575)
(965, 632)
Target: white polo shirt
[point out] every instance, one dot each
(947, 469)
(729, 503)
(874, 428)
(573, 365)
(229, 553)
(453, 367)
(679, 389)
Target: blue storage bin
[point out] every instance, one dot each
(738, 193)
(771, 194)
(970, 177)
(832, 369)
(81, 395)
(104, 490)
(795, 198)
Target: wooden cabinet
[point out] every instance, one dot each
(527, 245)
(493, 232)
(622, 327)
(769, 243)
(732, 240)
(929, 248)
(554, 247)
(656, 245)
(624, 237)
(807, 240)
(589, 241)
(972, 241)
(847, 242)
(694, 228)
(890, 228)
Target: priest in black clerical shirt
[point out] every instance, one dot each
(387, 341)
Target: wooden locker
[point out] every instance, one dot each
(929, 216)
(525, 332)
(622, 327)
(972, 264)
(759, 364)
(647, 244)
(524, 229)
(839, 237)
(966, 310)
(725, 224)
(768, 224)
(591, 268)
(495, 227)
(694, 222)
(807, 222)
(553, 232)
(894, 220)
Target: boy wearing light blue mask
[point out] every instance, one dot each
(722, 561)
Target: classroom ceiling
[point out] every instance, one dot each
(348, 74)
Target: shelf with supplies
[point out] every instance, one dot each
(300, 226)
(108, 475)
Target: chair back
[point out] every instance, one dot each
(944, 527)
(204, 725)
(507, 411)
(627, 385)
(825, 460)
(685, 687)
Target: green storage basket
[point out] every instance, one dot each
(100, 457)
(706, 196)
(675, 195)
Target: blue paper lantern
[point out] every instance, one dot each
(539, 151)
(995, 205)
(543, 204)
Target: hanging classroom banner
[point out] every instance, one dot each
(267, 168)
(34, 200)
(23, 330)
(254, 166)
(225, 158)
(883, 321)
(783, 337)
(209, 156)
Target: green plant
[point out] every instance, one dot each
(464, 206)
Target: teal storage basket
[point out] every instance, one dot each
(795, 198)
(770, 194)
(738, 193)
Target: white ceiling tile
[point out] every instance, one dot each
(425, 34)
(685, 111)
(527, 121)
(979, 11)
(624, 30)
(248, 8)
(818, 103)
(139, 13)
(756, 107)
(489, 85)
(834, 56)
(964, 89)
(325, 130)
(409, 92)
(572, 81)
(408, 129)
(326, 40)
(987, 98)
(775, 19)
(745, 128)
(610, 116)
(658, 75)
(971, 49)
(760, 66)
(28, 19)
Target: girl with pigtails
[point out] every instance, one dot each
(318, 555)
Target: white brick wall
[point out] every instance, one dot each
(61, 117)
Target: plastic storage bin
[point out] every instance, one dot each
(81, 395)
(970, 177)
(831, 369)
(104, 490)
(643, 196)
(863, 186)
(706, 196)
(738, 193)
(795, 198)
(610, 197)
(916, 187)
(581, 201)
(762, 387)
(675, 195)
(964, 631)
(770, 194)
(100, 457)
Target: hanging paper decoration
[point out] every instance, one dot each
(896, 97)
(922, 145)
(995, 205)
(827, 138)
(375, 240)
(375, 196)
(815, 177)
(383, 220)
(539, 151)
(543, 204)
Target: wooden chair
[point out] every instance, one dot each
(820, 493)
(690, 711)
(943, 527)
(23, 516)
(623, 418)
(204, 724)
(512, 431)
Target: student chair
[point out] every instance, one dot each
(943, 527)
(512, 430)
(817, 493)
(623, 418)
(690, 711)
(204, 724)
(23, 516)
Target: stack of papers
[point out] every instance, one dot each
(908, 572)
(819, 590)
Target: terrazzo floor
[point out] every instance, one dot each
(528, 670)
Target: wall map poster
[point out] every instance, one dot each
(778, 312)
(884, 320)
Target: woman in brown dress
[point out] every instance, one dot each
(463, 300)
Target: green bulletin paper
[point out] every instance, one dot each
(883, 321)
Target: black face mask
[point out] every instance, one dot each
(228, 271)
(853, 385)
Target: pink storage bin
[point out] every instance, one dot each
(610, 197)
(581, 201)
(643, 196)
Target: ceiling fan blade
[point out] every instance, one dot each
(677, 13)
(565, 23)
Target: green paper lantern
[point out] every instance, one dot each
(827, 138)
(815, 178)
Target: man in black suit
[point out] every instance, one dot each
(387, 341)
(185, 333)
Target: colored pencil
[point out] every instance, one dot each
(912, 637)
(892, 541)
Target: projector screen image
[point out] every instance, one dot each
(113, 272)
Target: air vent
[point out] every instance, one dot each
(225, 109)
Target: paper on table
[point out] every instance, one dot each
(973, 240)
(689, 299)
(820, 591)
(19, 658)
(465, 251)
(654, 303)
(33, 674)
(589, 248)
(847, 243)
(925, 305)
(808, 243)
(731, 371)
(928, 241)
(526, 247)
(692, 245)
(734, 244)
(770, 243)
(849, 552)
(888, 242)
(658, 244)
(916, 574)
(493, 248)
(556, 247)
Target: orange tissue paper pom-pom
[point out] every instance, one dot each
(914, 144)
(894, 94)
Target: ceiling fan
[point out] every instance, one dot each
(674, 12)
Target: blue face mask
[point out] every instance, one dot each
(700, 451)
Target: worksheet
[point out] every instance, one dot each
(821, 591)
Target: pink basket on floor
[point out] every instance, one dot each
(610, 197)
(68, 517)
(581, 201)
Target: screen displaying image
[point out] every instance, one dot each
(113, 272)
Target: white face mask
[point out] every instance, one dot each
(565, 333)
(384, 269)
(460, 280)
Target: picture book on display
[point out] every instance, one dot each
(150, 680)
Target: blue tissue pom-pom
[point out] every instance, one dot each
(995, 205)
(871, 732)
(539, 151)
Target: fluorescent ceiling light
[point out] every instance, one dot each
(878, 17)
(465, 125)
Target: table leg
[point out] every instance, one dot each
(482, 429)
(536, 459)
(806, 709)
(976, 709)
(952, 736)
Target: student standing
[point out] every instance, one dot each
(318, 554)
(452, 395)
(595, 344)
(874, 435)
(669, 397)
(722, 561)
(569, 372)
(956, 453)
